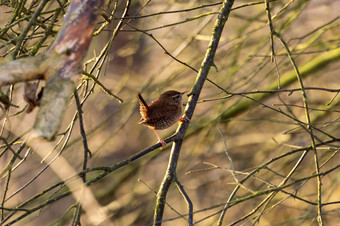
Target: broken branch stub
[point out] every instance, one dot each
(50, 113)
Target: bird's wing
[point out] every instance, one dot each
(143, 107)
(162, 112)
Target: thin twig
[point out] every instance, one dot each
(87, 151)
(271, 27)
(186, 198)
(27, 28)
(101, 85)
(267, 200)
(231, 161)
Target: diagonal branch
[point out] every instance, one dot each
(207, 62)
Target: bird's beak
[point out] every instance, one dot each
(184, 92)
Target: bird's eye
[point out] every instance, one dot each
(177, 96)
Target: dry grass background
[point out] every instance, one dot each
(253, 136)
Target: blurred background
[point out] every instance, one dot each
(263, 133)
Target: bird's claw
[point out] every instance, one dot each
(163, 143)
(184, 119)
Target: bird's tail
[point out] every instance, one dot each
(141, 100)
(143, 107)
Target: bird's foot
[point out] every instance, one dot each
(184, 119)
(163, 143)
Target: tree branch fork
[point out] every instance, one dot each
(60, 66)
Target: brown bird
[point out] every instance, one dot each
(162, 113)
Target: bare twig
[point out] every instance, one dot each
(101, 85)
(27, 28)
(186, 198)
(271, 27)
(309, 126)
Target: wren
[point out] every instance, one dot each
(162, 113)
